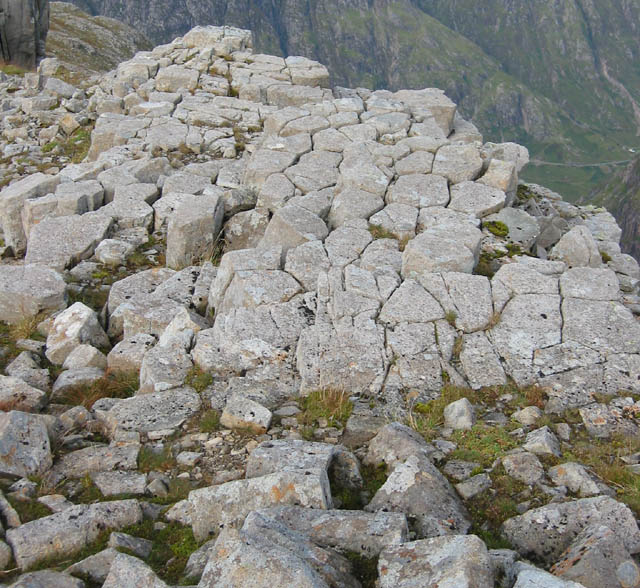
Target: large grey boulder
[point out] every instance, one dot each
(27, 290)
(67, 532)
(152, 412)
(419, 190)
(270, 554)
(18, 395)
(61, 242)
(461, 561)
(12, 199)
(101, 458)
(577, 248)
(417, 489)
(217, 507)
(47, 579)
(24, 444)
(193, 229)
(458, 163)
(532, 577)
(544, 533)
(292, 226)
(128, 571)
(476, 199)
(394, 443)
(598, 558)
(344, 530)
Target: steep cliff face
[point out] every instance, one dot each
(621, 196)
(563, 77)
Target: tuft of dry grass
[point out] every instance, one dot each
(329, 403)
(112, 385)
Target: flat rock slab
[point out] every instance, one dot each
(544, 533)
(274, 456)
(89, 460)
(152, 412)
(17, 394)
(26, 290)
(24, 444)
(47, 579)
(127, 570)
(345, 530)
(461, 561)
(114, 483)
(61, 242)
(217, 507)
(417, 489)
(67, 532)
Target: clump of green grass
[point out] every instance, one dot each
(28, 510)
(497, 228)
(171, 549)
(427, 417)
(198, 379)
(150, 460)
(364, 569)
(111, 385)
(606, 258)
(379, 232)
(209, 421)
(451, 316)
(12, 70)
(483, 444)
(329, 403)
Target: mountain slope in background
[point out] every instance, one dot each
(560, 76)
(621, 196)
(91, 43)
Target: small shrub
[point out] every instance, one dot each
(210, 421)
(497, 228)
(329, 403)
(374, 477)
(364, 569)
(482, 444)
(198, 379)
(606, 258)
(427, 417)
(458, 346)
(28, 510)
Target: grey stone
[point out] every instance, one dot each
(411, 303)
(398, 219)
(352, 203)
(597, 558)
(578, 480)
(152, 412)
(95, 567)
(272, 555)
(345, 530)
(246, 229)
(547, 531)
(141, 547)
(113, 252)
(476, 199)
(542, 441)
(61, 242)
(75, 379)
(164, 367)
(289, 455)
(24, 444)
(15, 394)
(527, 416)
(95, 459)
(459, 415)
(523, 228)
(85, 356)
(530, 577)
(217, 507)
(460, 470)
(602, 421)
(306, 262)
(480, 362)
(127, 355)
(67, 532)
(458, 163)
(589, 284)
(28, 290)
(419, 190)
(524, 467)
(577, 248)
(55, 502)
(244, 413)
(119, 482)
(77, 325)
(127, 570)
(461, 561)
(394, 444)
(473, 486)
(423, 494)
(292, 226)
(47, 579)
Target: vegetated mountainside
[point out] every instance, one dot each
(621, 196)
(94, 43)
(562, 77)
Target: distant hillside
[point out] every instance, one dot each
(94, 43)
(621, 195)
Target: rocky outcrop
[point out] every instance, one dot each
(400, 274)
